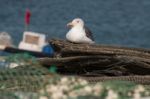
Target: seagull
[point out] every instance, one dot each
(79, 33)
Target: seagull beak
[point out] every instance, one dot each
(70, 25)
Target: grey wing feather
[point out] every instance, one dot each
(88, 33)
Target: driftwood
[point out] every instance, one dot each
(106, 62)
(70, 49)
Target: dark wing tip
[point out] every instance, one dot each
(89, 33)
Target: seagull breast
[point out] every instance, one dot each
(76, 34)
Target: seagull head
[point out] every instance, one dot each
(76, 22)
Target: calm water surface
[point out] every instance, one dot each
(117, 22)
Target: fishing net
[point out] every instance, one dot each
(30, 80)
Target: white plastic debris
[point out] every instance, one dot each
(5, 39)
(33, 41)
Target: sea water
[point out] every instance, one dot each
(115, 22)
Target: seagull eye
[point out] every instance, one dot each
(78, 21)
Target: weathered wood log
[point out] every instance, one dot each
(69, 49)
(89, 60)
(105, 62)
(102, 56)
(131, 65)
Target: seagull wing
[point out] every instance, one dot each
(88, 33)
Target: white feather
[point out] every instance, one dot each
(77, 35)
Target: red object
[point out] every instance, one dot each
(27, 17)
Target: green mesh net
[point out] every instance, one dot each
(30, 80)
(21, 58)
